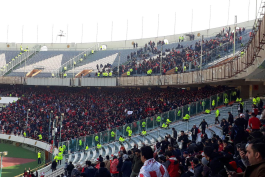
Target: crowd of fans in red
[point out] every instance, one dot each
(88, 111)
(175, 57)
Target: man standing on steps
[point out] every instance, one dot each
(217, 114)
(203, 124)
(194, 132)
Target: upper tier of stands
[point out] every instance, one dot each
(185, 53)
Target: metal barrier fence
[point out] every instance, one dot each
(150, 122)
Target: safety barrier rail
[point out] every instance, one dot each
(15, 61)
(150, 122)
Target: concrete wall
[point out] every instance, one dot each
(124, 43)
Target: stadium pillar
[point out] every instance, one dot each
(119, 64)
(61, 126)
(27, 117)
(201, 61)
(50, 124)
(235, 35)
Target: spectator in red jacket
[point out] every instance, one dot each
(254, 122)
(172, 164)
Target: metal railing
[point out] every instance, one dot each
(70, 64)
(18, 60)
(151, 123)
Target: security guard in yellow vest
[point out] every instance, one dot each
(207, 111)
(74, 63)
(65, 68)
(217, 114)
(64, 75)
(242, 53)
(144, 133)
(84, 55)
(128, 128)
(213, 103)
(110, 74)
(168, 122)
(258, 99)
(121, 139)
(92, 51)
(164, 125)
(99, 146)
(98, 74)
(56, 158)
(143, 124)
(226, 101)
(112, 134)
(158, 120)
(186, 117)
(184, 69)
(81, 59)
(130, 134)
(39, 157)
(25, 134)
(176, 69)
(60, 158)
(40, 137)
(86, 147)
(52, 75)
(128, 73)
(21, 49)
(179, 113)
(80, 144)
(96, 138)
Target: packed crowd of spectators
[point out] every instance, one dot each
(240, 152)
(88, 111)
(141, 61)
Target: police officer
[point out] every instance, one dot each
(179, 113)
(168, 122)
(158, 120)
(186, 117)
(96, 138)
(217, 114)
(143, 125)
(143, 133)
(39, 157)
(164, 125)
(112, 134)
(99, 146)
(128, 73)
(60, 157)
(128, 128)
(80, 144)
(130, 134)
(226, 101)
(40, 137)
(213, 104)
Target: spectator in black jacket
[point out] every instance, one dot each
(237, 133)
(54, 165)
(224, 125)
(184, 140)
(240, 108)
(164, 144)
(194, 132)
(126, 167)
(70, 167)
(197, 168)
(203, 124)
(102, 171)
(119, 166)
(175, 133)
(230, 118)
(215, 164)
(90, 170)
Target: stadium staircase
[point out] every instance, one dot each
(15, 62)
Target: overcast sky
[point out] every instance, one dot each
(42, 15)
